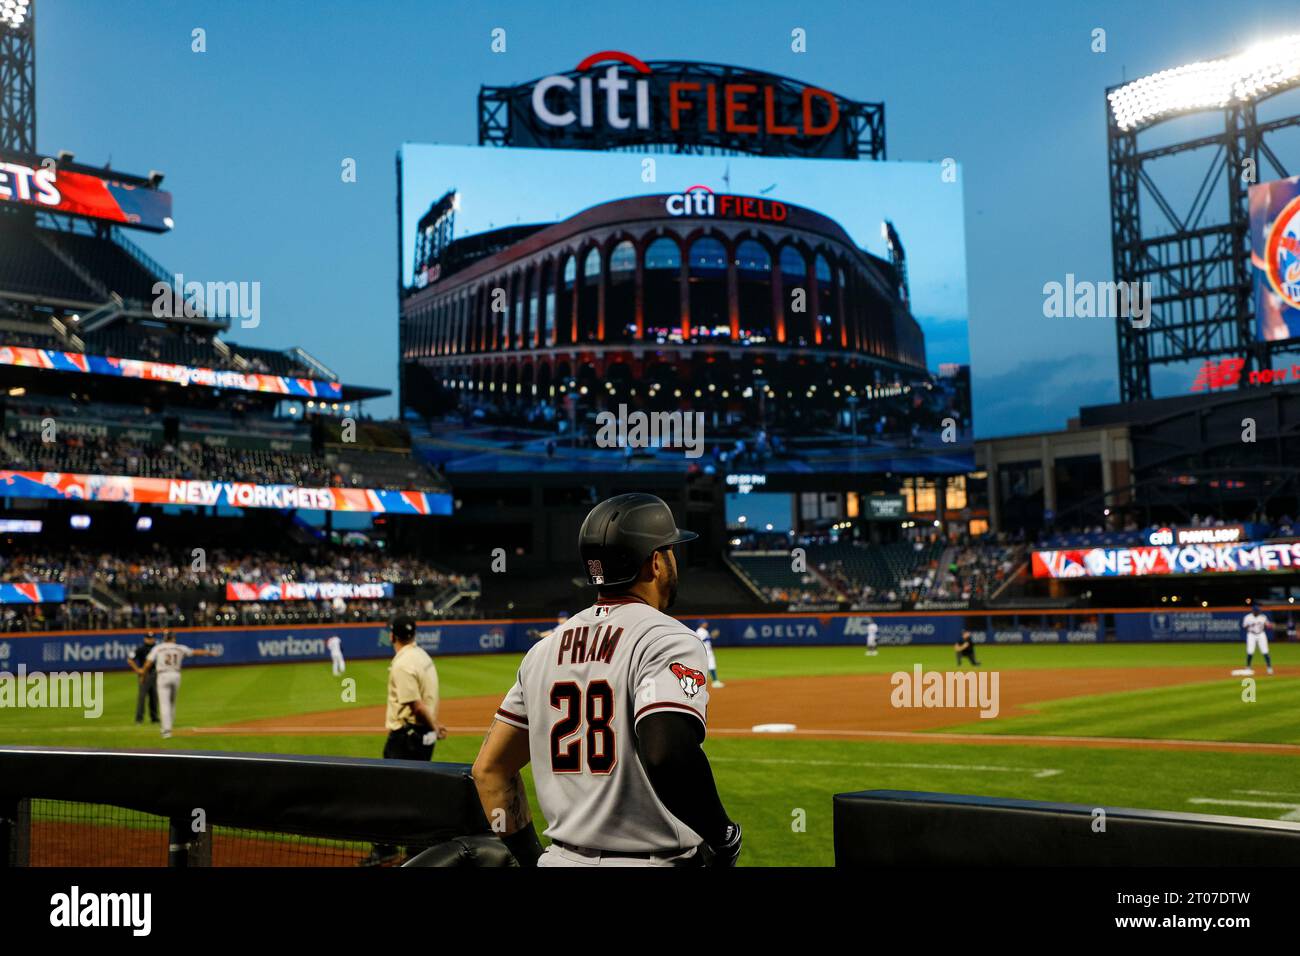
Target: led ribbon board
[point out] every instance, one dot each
(184, 375)
(40, 182)
(308, 591)
(233, 494)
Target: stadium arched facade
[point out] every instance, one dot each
(691, 297)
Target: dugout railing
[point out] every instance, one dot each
(910, 828)
(68, 807)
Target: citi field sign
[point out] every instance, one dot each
(612, 99)
(703, 202)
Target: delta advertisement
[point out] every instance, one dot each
(309, 591)
(1234, 558)
(17, 593)
(231, 494)
(1275, 258)
(183, 375)
(41, 182)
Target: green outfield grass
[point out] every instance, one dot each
(781, 788)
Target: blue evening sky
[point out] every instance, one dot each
(252, 134)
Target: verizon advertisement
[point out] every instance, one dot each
(308, 591)
(1244, 558)
(41, 182)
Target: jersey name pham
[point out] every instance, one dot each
(583, 644)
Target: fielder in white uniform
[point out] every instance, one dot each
(706, 638)
(335, 645)
(872, 630)
(1257, 626)
(610, 711)
(166, 658)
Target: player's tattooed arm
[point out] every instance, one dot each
(518, 813)
(501, 790)
(496, 777)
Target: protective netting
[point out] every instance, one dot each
(70, 833)
(67, 833)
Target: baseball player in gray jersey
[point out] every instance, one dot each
(166, 658)
(611, 709)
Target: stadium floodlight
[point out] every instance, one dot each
(1209, 84)
(13, 13)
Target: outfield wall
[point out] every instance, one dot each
(260, 645)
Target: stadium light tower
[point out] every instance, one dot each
(1197, 259)
(18, 75)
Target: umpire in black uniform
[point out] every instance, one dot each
(148, 679)
(966, 648)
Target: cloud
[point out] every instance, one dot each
(1041, 395)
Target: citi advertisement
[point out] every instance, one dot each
(232, 494)
(1275, 258)
(1250, 557)
(183, 375)
(615, 94)
(308, 591)
(42, 183)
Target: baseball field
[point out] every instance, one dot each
(1160, 726)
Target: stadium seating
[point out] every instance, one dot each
(158, 588)
(115, 269)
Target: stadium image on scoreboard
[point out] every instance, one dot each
(807, 315)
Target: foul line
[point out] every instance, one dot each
(1036, 771)
(918, 736)
(903, 736)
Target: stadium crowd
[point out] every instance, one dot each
(81, 615)
(134, 457)
(159, 570)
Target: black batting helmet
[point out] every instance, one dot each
(621, 532)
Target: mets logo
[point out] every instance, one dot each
(690, 679)
(1282, 254)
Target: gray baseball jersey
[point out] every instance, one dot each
(580, 693)
(168, 657)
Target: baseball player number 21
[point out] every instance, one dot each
(567, 696)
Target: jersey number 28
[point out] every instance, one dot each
(566, 734)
